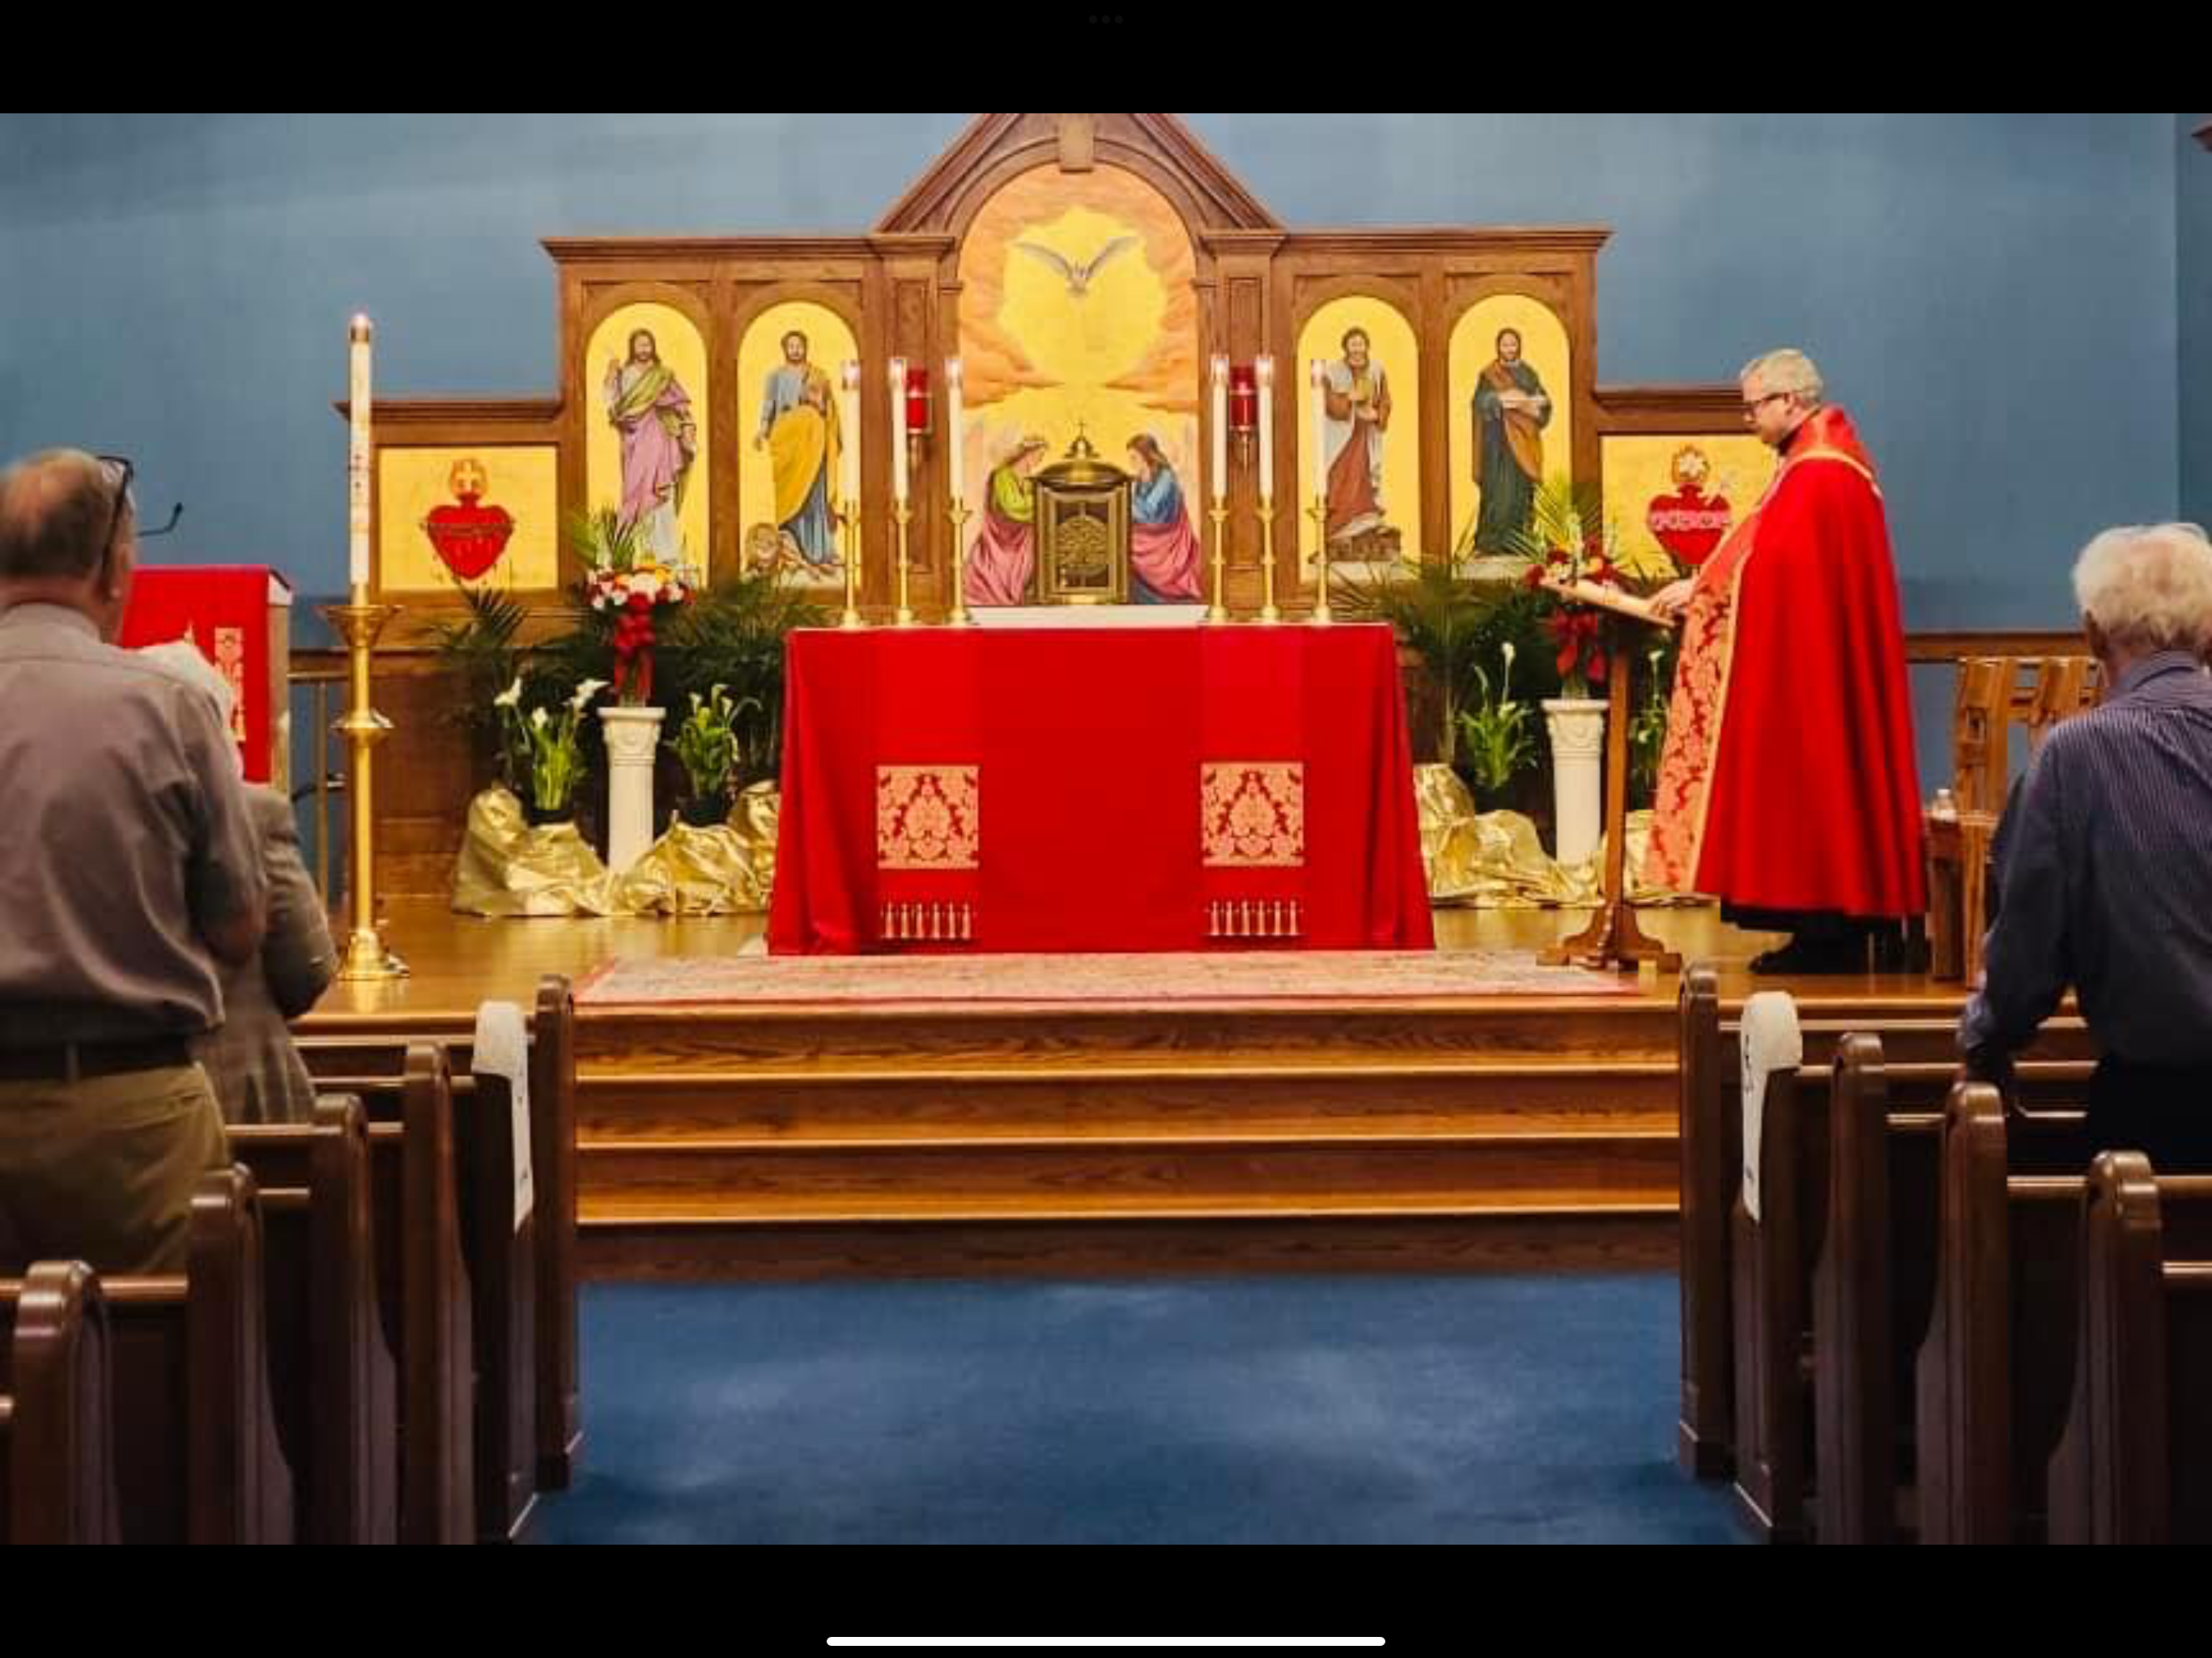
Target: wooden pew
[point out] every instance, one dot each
(1995, 1373)
(2134, 1464)
(333, 1374)
(531, 1428)
(423, 1298)
(206, 1331)
(1878, 1283)
(501, 1257)
(57, 1409)
(1711, 1151)
(197, 1456)
(429, 1321)
(1922, 1067)
(553, 1122)
(1784, 1358)
(1771, 1258)
(1872, 1288)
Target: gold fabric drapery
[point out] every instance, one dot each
(509, 869)
(1494, 861)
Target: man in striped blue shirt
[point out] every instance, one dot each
(2104, 870)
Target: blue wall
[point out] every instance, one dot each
(2193, 219)
(2002, 299)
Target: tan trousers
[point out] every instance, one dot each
(102, 1170)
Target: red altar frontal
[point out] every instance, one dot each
(1078, 790)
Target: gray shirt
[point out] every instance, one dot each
(124, 838)
(2104, 870)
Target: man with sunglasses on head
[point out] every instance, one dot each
(1789, 789)
(130, 874)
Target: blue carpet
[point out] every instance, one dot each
(1271, 1410)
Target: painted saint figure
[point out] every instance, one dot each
(799, 428)
(1002, 559)
(1357, 414)
(1511, 409)
(650, 408)
(1165, 558)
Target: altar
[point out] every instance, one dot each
(1096, 789)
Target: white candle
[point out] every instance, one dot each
(1321, 427)
(954, 437)
(363, 333)
(1220, 429)
(848, 411)
(898, 430)
(1265, 374)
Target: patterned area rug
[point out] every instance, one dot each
(1244, 976)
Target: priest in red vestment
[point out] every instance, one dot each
(1789, 788)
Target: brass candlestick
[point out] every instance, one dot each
(903, 515)
(1269, 611)
(1218, 611)
(360, 623)
(1322, 616)
(849, 527)
(958, 616)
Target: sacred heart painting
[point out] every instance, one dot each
(485, 515)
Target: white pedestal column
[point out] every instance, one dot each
(1577, 730)
(632, 740)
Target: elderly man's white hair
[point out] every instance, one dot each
(181, 660)
(1787, 370)
(2148, 587)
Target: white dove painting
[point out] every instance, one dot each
(1078, 277)
(1082, 291)
(1078, 311)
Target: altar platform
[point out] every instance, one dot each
(1378, 1121)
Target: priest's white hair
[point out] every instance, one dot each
(2148, 587)
(1787, 370)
